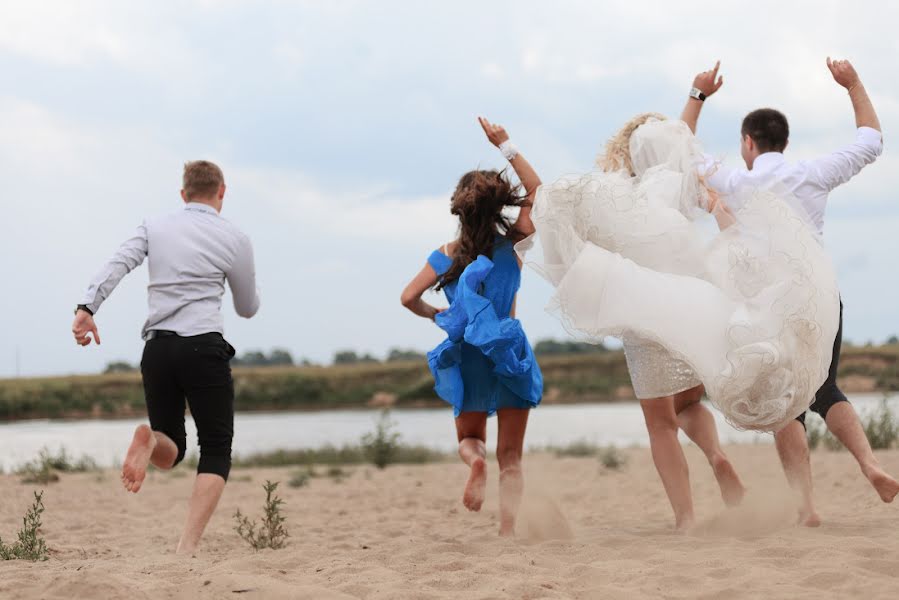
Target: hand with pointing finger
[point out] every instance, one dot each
(84, 325)
(495, 133)
(706, 81)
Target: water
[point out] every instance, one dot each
(105, 441)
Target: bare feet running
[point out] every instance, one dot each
(732, 490)
(473, 497)
(134, 470)
(809, 518)
(886, 486)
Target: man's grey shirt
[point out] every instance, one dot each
(190, 253)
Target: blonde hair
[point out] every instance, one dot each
(202, 179)
(617, 154)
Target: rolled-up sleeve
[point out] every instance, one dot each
(839, 167)
(128, 257)
(242, 280)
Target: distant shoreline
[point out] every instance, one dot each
(569, 379)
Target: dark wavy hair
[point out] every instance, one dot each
(478, 201)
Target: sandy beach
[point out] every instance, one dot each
(584, 532)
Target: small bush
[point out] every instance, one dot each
(271, 533)
(581, 448)
(612, 458)
(29, 545)
(298, 480)
(43, 469)
(882, 427)
(818, 434)
(381, 446)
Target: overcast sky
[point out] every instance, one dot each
(343, 126)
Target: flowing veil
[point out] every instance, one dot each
(753, 311)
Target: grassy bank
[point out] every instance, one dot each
(569, 378)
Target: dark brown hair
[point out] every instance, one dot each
(768, 128)
(202, 179)
(478, 201)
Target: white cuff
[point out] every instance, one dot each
(509, 150)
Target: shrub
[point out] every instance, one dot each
(29, 545)
(381, 446)
(271, 533)
(611, 458)
(882, 427)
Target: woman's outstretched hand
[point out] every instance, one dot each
(495, 133)
(709, 82)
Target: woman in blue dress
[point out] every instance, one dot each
(486, 364)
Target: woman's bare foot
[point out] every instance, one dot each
(732, 490)
(886, 486)
(809, 518)
(473, 497)
(507, 530)
(684, 523)
(134, 469)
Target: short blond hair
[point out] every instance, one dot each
(617, 154)
(202, 179)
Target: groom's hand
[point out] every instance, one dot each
(495, 133)
(843, 73)
(82, 326)
(708, 82)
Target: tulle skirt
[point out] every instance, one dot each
(752, 313)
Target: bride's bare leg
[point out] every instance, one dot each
(668, 456)
(471, 429)
(698, 423)
(509, 447)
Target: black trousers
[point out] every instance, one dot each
(830, 393)
(196, 369)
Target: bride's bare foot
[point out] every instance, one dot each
(886, 486)
(809, 518)
(134, 470)
(732, 490)
(473, 497)
(684, 524)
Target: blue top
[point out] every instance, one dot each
(486, 362)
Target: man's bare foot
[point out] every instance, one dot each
(732, 490)
(473, 497)
(507, 530)
(886, 486)
(809, 518)
(134, 470)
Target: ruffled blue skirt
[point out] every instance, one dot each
(486, 362)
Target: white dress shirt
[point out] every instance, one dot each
(190, 253)
(809, 180)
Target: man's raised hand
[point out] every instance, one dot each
(709, 82)
(495, 133)
(843, 73)
(82, 326)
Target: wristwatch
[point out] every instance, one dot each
(84, 308)
(697, 93)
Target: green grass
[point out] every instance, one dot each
(46, 467)
(577, 377)
(29, 544)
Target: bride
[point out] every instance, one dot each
(748, 314)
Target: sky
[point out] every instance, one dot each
(343, 126)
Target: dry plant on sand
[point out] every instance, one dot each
(29, 545)
(271, 532)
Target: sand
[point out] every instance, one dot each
(585, 532)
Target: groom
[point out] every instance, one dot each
(190, 254)
(765, 134)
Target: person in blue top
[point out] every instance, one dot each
(486, 364)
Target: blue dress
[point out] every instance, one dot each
(486, 362)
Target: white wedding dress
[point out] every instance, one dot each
(751, 313)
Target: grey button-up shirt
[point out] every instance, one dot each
(190, 253)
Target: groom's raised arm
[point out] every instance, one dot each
(704, 85)
(841, 166)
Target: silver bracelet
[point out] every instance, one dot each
(509, 150)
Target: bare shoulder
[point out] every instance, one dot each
(450, 248)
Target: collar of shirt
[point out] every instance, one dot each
(204, 207)
(767, 161)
